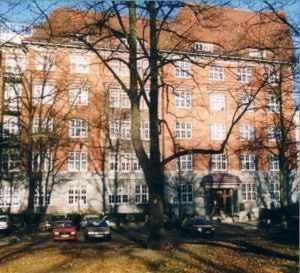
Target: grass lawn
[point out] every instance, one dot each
(234, 250)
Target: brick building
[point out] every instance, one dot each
(59, 95)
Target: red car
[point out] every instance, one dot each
(64, 231)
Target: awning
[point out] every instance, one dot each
(220, 179)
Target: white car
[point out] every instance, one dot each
(5, 224)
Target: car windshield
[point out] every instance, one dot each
(97, 223)
(200, 221)
(63, 224)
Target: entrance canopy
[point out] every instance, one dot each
(220, 180)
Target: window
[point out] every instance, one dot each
(185, 163)
(9, 196)
(43, 93)
(257, 53)
(12, 94)
(77, 161)
(219, 162)
(141, 194)
(275, 191)
(46, 164)
(247, 132)
(244, 74)
(79, 95)
(273, 76)
(79, 64)
(119, 67)
(246, 102)
(119, 196)
(124, 162)
(118, 98)
(10, 160)
(78, 128)
(143, 103)
(15, 64)
(274, 163)
(216, 73)
(183, 99)
(249, 192)
(217, 102)
(119, 129)
(40, 198)
(44, 61)
(145, 130)
(200, 46)
(273, 103)
(182, 69)
(77, 195)
(42, 125)
(248, 162)
(186, 191)
(183, 130)
(274, 133)
(217, 131)
(10, 126)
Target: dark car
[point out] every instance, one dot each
(64, 231)
(198, 227)
(97, 230)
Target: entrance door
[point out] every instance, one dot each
(221, 201)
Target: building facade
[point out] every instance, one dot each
(65, 115)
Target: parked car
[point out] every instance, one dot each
(64, 231)
(97, 230)
(89, 218)
(5, 223)
(198, 227)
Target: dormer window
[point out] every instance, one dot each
(257, 53)
(205, 47)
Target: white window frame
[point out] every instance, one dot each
(119, 196)
(9, 196)
(79, 63)
(15, 63)
(77, 195)
(183, 99)
(247, 131)
(217, 131)
(145, 127)
(44, 61)
(185, 163)
(219, 162)
(78, 95)
(217, 101)
(244, 74)
(187, 193)
(244, 101)
(273, 104)
(183, 69)
(249, 192)
(43, 93)
(40, 198)
(11, 160)
(274, 163)
(119, 67)
(257, 53)
(42, 125)
(10, 126)
(120, 129)
(77, 161)
(118, 98)
(78, 128)
(12, 95)
(183, 130)
(205, 47)
(273, 133)
(275, 191)
(248, 162)
(216, 73)
(273, 75)
(141, 194)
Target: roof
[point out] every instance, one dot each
(231, 29)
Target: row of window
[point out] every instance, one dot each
(78, 195)
(219, 162)
(80, 64)
(78, 128)
(44, 93)
(183, 99)
(128, 162)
